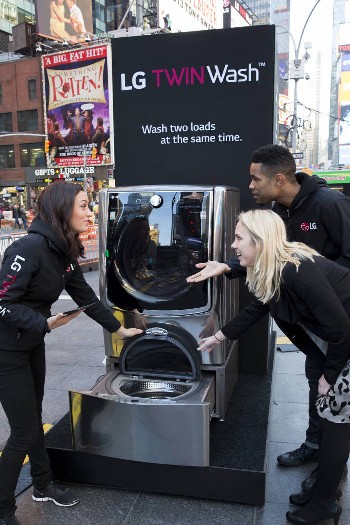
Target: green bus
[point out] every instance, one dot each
(337, 179)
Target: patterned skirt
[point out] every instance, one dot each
(335, 406)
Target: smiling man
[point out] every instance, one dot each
(314, 214)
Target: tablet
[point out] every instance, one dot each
(69, 312)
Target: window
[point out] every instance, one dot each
(7, 157)
(27, 120)
(32, 154)
(32, 91)
(6, 122)
(24, 16)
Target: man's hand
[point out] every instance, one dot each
(323, 386)
(208, 269)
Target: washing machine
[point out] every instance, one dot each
(159, 394)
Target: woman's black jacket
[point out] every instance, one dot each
(316, 295)
(35, 270)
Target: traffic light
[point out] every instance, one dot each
(47, 146)
(94, 153)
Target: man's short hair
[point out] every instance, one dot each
(275, 159)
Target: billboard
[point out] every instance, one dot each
(78, 106)
(64, 20)
(345, 62)
(190, 15)
(344, 110)
(191, 107)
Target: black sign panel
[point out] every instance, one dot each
(190, 107)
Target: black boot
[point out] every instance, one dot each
(302, 498)
(334, 453)
(309, 482)
(299, 456)
(313, 515)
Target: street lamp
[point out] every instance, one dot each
(296, 72)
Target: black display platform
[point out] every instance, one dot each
(237, 454)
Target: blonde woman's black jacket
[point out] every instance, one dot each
(34, 272)
(316, 295)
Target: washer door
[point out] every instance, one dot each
(162, 351)
(154, 241)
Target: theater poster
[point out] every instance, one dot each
(78, 106)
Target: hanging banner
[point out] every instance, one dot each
(79, 125)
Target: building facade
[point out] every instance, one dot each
(21, 123)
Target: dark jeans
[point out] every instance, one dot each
(334, 453)
(22, 378)
(313, 372)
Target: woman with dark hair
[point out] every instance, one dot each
(35, 270)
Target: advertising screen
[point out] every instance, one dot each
(78, 106)
(64, 20)
(189, 15)
(191, 107)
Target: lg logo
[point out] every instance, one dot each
(138, 81)
(306, 226)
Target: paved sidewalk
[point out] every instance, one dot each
(75, 357)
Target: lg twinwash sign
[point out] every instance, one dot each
(191, 107)
(190, 75)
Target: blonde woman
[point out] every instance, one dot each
(311, 295)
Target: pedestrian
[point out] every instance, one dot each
(296, 285)
(35, 270)
(95, 210)
(23, 216)
(314, 214)
(16, 215)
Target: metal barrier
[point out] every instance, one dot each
(6, 240)
(89, 240)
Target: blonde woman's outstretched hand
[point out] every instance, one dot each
(207, 344)
(207, 270)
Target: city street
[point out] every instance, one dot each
(175, 119)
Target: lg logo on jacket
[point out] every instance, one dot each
(306, 226)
